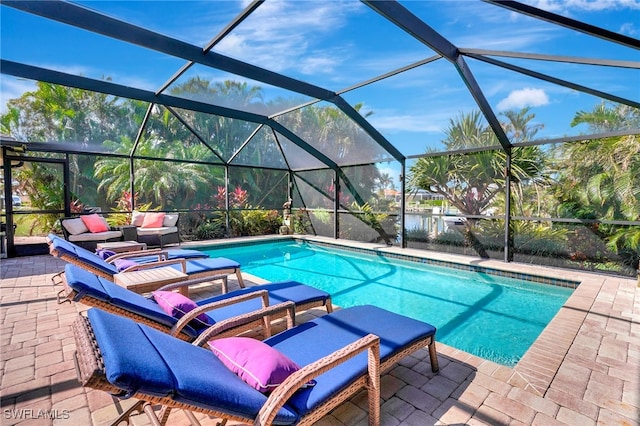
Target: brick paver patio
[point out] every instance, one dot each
(583, 370)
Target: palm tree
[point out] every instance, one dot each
(59, 114)
(605, 186)
(385, 181)
(472, 182)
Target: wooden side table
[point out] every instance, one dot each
(122, 246)
(147, 280)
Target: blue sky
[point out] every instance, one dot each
(336, 45)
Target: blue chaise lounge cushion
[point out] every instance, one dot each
(94, 259)
(278, 292)
(84, 283)
(324, 335)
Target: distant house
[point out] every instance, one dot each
(413, 196)
(423, 195)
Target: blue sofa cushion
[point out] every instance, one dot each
(139, 358)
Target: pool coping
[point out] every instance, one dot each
(539, 366)
(418, 256)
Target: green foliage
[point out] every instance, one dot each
(209, 231)
(322, 222)
(367, 215)
(43, 184)
(301, 222)
(540, 239)
(607, 185)
(260, 222)
(254, 222)
(417, 234)
(471, 182)
(450, 237)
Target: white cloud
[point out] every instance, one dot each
(523, 98)
(13, 88)
(629, 29)
(280, 36)
(564, 6)
(406, 123)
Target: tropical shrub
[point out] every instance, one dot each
(209, 231)
(301, 222)
(260, 222)
(417, 234)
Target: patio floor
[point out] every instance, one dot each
(583, 370)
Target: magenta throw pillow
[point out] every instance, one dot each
(122, 264)
(104, 254)
(255, 362)
(177, 305)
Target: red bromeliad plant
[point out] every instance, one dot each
(125, 203)
(243, 219)
(237, 199)
(76, 206)
(330, 190)
(221, 197)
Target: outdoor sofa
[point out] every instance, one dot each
(156, 228)
(89, 230)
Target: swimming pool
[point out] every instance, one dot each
(494, 317)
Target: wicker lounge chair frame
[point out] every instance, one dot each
(284, 392)
(90, 367)
(192, 279)
(91, 373)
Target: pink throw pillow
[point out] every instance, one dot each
(95, 223)
(153, 220)
(255, 362)
(177, 305)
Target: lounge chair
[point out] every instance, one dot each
(197, 270)
(141, 256)
(84, 287)
(120, 356)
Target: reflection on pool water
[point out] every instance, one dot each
(494, 317)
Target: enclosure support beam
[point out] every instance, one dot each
(558, 81)
(403, 231)
(8, 192)
(508, 234)
(336, 205)
(101, 86)
(411, 24)
(226, 199)
(132, 186)
(66, 191)
(566, 22)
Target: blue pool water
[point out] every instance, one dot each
(494, 317)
